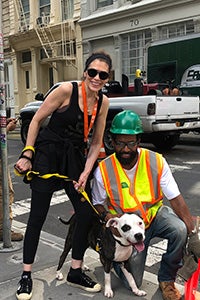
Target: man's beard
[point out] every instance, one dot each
(126, 161)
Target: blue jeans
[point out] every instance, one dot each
(168, 226)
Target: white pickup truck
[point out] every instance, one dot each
(164, 118)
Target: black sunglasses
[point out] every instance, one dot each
(122, 145)
(102, 74)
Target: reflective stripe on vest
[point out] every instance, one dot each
(144, 195)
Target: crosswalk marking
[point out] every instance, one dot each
(23, 206)
(179, 168)
(155, 253)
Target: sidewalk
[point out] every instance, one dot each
(46, 287)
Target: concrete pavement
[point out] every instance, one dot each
(46, 287)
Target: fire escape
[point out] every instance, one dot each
(57, 40)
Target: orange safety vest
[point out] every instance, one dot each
(142, 196)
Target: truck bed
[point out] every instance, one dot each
(163, 113)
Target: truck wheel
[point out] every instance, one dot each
(24, 130)
(165, 142)
(107, 139)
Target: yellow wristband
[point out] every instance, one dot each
(29, 148)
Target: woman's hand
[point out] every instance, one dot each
(23, 165)
(81, 182)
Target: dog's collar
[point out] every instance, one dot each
(119, 242)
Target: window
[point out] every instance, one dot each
(133, 47)
(103, 3)
(45, 52)
(67, 9)
(25, 6)
(51, 77)
(45, 7)
(6, 81)
(26, 56)
(27, 80)
(24, 14)
(177, 29)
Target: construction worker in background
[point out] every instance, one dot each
(138, 83)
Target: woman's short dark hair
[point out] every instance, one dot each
(101, 55)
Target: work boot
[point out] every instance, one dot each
(169, 291)
(77, 278)
(15, 236)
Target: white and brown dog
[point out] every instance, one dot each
(114, 241)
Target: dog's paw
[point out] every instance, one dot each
(140, 293)
(59, 275)
(108, 293)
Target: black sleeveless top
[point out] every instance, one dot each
(60, 146)
(68, 122)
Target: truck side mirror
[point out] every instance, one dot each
(39, 96)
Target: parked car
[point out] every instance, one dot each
(28, 111)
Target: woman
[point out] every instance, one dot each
(62, 148)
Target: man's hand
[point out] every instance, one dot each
(110, 216)
(190, 260)
(11, 124)
(189, 267)
(194, 245)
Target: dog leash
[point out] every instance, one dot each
(29, 176)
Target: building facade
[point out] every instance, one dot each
(42, 45)
(126, 28)
(47, 41)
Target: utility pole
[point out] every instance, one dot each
(3, 141)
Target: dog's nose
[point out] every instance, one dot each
(138, 237)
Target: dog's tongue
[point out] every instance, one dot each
(139, 246)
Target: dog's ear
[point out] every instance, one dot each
(112, 222)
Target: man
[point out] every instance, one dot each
(133, 180)
(15, 236)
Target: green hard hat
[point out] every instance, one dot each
(126, 122)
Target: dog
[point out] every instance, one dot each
(114, 241)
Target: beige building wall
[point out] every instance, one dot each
(91, 28)
(58, 41)
(106, 26)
